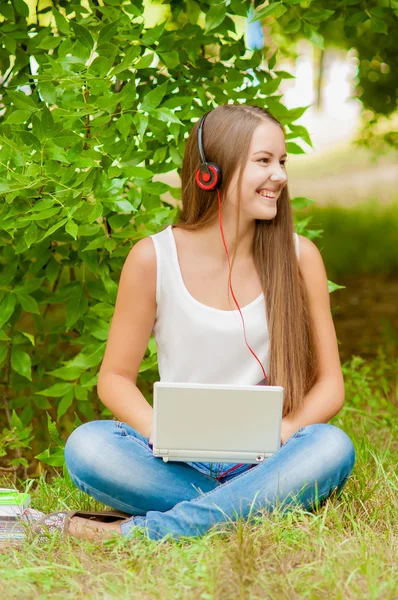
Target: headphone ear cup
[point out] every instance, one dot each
(215, 180)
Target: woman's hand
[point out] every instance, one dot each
(150, 437)
(289, 427)
(286, 430)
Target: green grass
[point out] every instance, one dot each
(345, 549)
(357, 240)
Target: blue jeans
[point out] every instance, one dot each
(114, 464)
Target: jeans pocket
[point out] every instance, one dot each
(119, 428)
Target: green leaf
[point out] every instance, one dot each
(30, 139)
(54, 228)
(97, 243)
(7, 306)
(90, 357)
(280, 10)
(28, 303)
(164, 114)
(269, 87)
(269, 10)
(17, 117)
(20, 362)
(66, 138)
(144, 62)
(62, 23)
(55, 391)
(298, 131)
(81, 393)
(295, 113)
(170, 59)
(72, 228)
(272, 60)
(215, 16)
(47, 122)
(294, 148)
(97, 328)
(30, 234)
(192, 10)
(138, 172)
(130, 55)
(52, 429)
(317, 16)
(42, 403)
(108, 31)
(334, 286)
(378, 25)
(67, 373)
(313, 35)
(380, 11)
(16, 421)
(356, 18)
(148, 363)
(293, 26)
(56, 459)
(153, 34)
(65, 403)
(40, 216)
(76, 307)
(6, 141)
(152, 346)
(27, 286)
(7, 11)
(101, 66)
(95, 213)
(141, 123)
(154, 97)
(123, 125)
(30, 337)
(21, 100)
(21, 8)
(83, 35)
(301, 202)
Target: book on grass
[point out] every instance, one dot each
(15, 513)
(13, 503)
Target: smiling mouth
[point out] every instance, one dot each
(267, 194)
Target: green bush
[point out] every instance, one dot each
(110, 105)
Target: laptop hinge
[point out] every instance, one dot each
(204, 455)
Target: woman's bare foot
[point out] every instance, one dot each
(87, 529)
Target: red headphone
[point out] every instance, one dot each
(209, 178)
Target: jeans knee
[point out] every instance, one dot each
(85, 446)
(338, 444)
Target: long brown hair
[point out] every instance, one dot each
(293, 354)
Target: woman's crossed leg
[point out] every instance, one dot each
(114, 463)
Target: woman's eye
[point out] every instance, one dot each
(282, 162)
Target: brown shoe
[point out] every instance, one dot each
(43, 528)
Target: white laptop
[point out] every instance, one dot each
(216, 422)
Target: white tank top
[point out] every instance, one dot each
(197, 343)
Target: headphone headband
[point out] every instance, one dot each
(209, 175)
(200, 138)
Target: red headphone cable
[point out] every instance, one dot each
(243, 323)
(232, 292)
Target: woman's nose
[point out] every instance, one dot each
(279, 175)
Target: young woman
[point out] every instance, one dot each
(176, 284)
